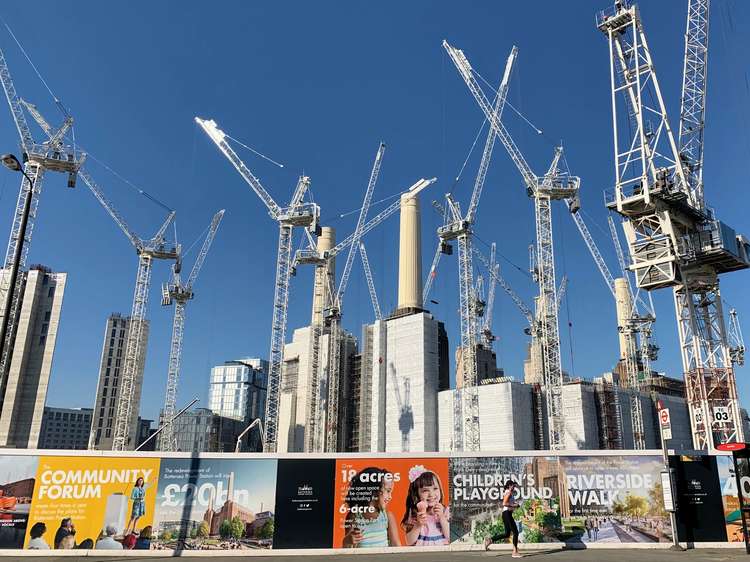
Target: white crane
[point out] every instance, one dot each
(370, 282)
(554, 184)
(459, 227)
(674, 238)
(296, 214)
(321, 260)
(179, 293)
(51, 155)
(146, 249)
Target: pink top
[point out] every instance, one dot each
(431, 533)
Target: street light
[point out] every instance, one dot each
(12, 163)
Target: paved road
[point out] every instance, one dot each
(598, 555)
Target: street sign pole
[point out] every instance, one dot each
(666, 433)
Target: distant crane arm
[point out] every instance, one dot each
(219, 138)
(27, 140)
(116, 216)
(484, 163)
(380, 217)
(370, 282)
(204, 249)
(432, 273)
(357, 234)
(465, 70)
(595, 253)
(507, 288)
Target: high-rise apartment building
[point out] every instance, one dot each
(238, 389)
(107, 390)
(23, 390)
(65, 428)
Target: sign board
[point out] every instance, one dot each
(721, 414)
(666, 487)
(698, 415)
(731, 446)
(664, 417)
(666, 425)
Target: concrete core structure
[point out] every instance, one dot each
(624, 308)
(323, 276)
(24, 390)
(410, 256)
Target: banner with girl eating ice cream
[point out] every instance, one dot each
(391, 502)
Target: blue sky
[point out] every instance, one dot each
(317, 86)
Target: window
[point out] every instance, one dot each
(47, 315)
(51, 292)
(45, 327)
(42, 340)
(108, 433)
(45, 280)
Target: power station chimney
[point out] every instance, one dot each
(410, 256)
(624, 309)
(321, 297)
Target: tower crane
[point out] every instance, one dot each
(493, 269)
(296, 214)
(334, 313)
(311, 255)
(674, 238)
(458, 226)
(38, 157)
(54, 155)
(635, 327)
(179, 293)
(554, 184)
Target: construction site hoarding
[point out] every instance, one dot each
(383, 502)
(174, 502)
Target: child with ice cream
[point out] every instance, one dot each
(368, 521)
(426, 519)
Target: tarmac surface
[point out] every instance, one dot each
(603, 555)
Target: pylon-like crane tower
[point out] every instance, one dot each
(674, 238)
(298, 214)
(330, 313)
(636, 329)
(179, 293)
(53, 155)
(554, 184)
(459, 227)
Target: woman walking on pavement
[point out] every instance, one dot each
(509, 524)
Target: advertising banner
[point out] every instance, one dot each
(215, 504)
(477, 491)
(729, 498)
(391, 502)
(304, 503)
(17, 475)
(85, 495)
(700, 513)
(613, 500)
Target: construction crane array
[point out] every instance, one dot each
(674, 239)
(554, 184)
(51, 155)
(179, 293)
(297, 214)
(458, 227)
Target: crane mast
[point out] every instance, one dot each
(674, 239)
(370, 282)
(335, 339)
(296, 214)
(38, 158)
(459, 227)
(180, 293)
(553, 185)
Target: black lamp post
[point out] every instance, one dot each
(12, 163)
